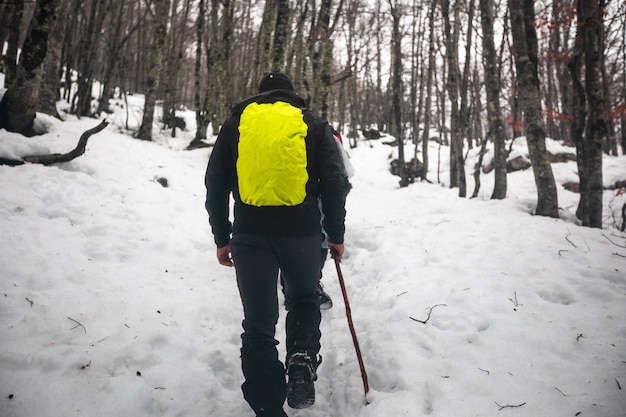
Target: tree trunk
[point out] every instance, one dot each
(590, 39)
(494, 114)
(263, 60)
(224, 88)
(281, 32)
(202, 120)
(14, 12)
(465, 109)
(49, 93)
(162, 8)
(113, 58)
(429, 82)
(20, 101)
(320, 52)
(522, 16)
(81, 105)
(396, 90)
(457, 162)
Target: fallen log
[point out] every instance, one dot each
(57, 158)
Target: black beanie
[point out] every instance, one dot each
(275, 81)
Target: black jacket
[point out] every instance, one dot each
(326, 179)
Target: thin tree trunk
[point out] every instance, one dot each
(457, 162)
(320, 52)
(263, 59)
(51, 73)
(162, 8)
(429, 82)
(494, 113)
(281, 31)
(20, 101)
(396, 90)
(15, 10)
(525, 49)
(112, 61)
(202, 119)
(81, 105)
(589, 156)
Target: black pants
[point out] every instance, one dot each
(258, 260)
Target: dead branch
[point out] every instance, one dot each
(510, 406)
(514, 301)
(78, 324)
(567, 238)
(57, 158)
(430, 310)
(616, 244)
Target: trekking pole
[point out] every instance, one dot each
(366, 387)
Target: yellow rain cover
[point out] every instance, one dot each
(272, 155)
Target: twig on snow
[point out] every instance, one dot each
(31, 302)
(514, 301)
(567, 238)
(502, 407)
(616, 244)
(78, 324)
(562, 393)
(430, 310)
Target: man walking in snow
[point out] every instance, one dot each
(276, 157)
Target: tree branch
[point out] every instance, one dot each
(510, 406)
(78, 324)
(66, 157)
(430, 310)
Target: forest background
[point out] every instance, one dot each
(479, 71)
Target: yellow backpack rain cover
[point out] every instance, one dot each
(272, 161)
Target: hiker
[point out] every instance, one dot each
(276, 157)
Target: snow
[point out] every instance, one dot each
(112, 302)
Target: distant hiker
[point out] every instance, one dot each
(276, 157)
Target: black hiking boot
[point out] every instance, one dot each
(301, 380)
(323, 299)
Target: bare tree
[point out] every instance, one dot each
(590, 126)
(522, 14)
(453, 87)
(494, 114)
(202, 115)
(11, 20)
(320, 50)
(87, 54)
(161, 12)
(429, 83)
(20, 101)
(396, 88)
(281, 32)
(113, 55)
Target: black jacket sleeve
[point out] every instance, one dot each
(218, 185)
(333, 185)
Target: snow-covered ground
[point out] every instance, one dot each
(112, 302)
